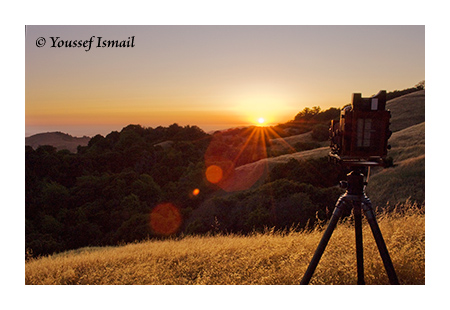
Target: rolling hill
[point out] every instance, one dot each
(406, 179)
(61, 141)
(407, 110)
(407, 147)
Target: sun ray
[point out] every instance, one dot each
(282, 140)
(251, 144)
(252, 133)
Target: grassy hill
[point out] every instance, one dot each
(406, 180)
(262, 258)
(407, 110)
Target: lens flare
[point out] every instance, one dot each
(195, 192)
(214, 174)
(165, 219)
(229, 153)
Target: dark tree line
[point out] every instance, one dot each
(104, 194)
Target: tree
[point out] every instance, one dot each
(146, 189)
(307, 113)
(420, 85)
(54, 197)
(135, 228)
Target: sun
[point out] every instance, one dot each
(261, 121)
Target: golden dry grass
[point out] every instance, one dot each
(268, 258)
(407, 110)
(408, 143)
(407, 178)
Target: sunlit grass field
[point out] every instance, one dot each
(275, 258)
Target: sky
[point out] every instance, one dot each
(214, 77)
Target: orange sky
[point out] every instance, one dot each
(211, 76)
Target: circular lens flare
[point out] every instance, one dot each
(214, 174)
(165, 219)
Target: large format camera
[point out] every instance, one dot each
(360, 136)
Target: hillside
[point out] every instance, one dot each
(288, 144)
(269, 258)
(61, 141)
(407, 140)
(406, 180)
(407, 110)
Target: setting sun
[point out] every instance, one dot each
(261, 121)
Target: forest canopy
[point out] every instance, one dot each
(105, 193)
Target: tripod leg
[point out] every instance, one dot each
(323, 243)
(371, 218)
(359, 241)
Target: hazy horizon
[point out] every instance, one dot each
(213, 77)
(91, 131)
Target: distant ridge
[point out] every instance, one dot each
(62, 141)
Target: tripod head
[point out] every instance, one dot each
(355, 162)
(355, 183)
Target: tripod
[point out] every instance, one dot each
(356, 198)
